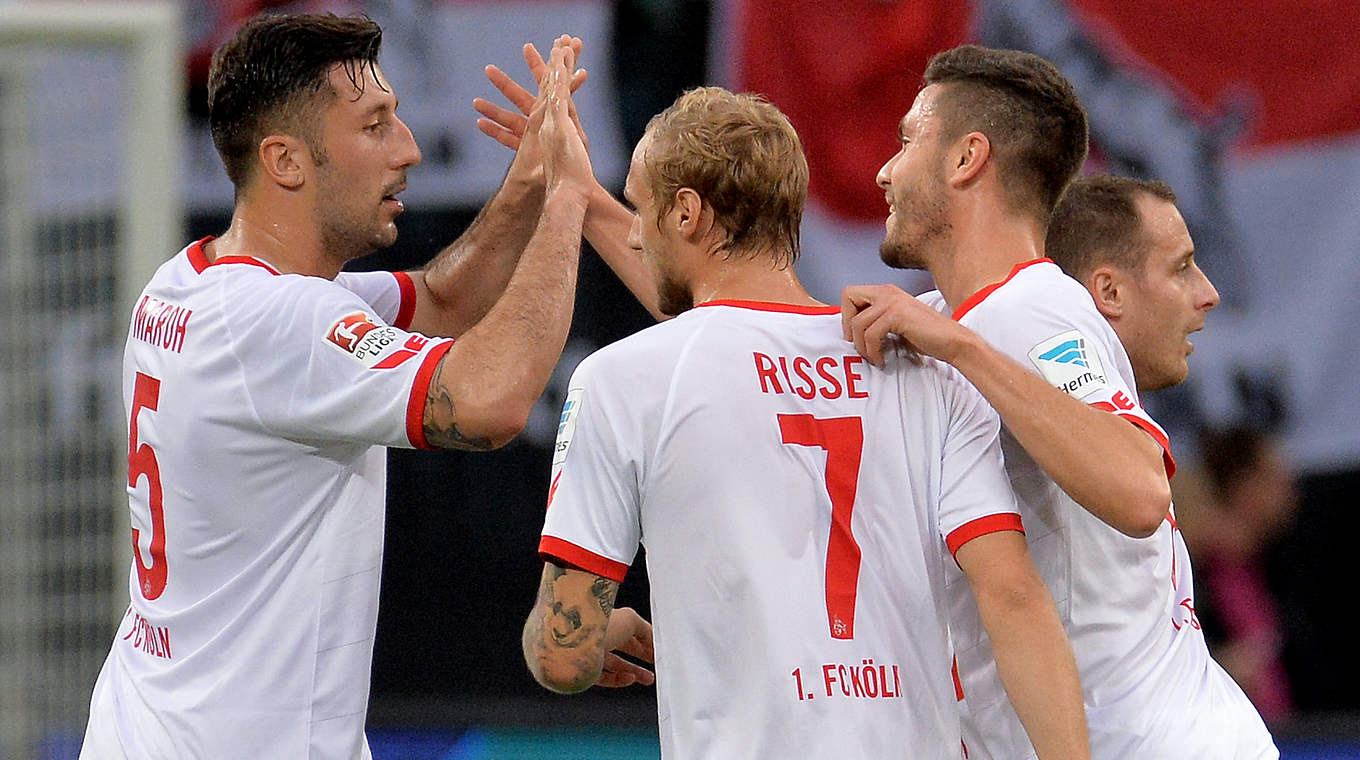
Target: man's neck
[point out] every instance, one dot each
(753, 279)
(985, 253)
(282, 238)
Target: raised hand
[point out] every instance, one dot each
(507, 126)
(566, 164)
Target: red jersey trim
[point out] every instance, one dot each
(198, 259)
(1150, 429)
(553, 548)
(978, 297)
(958, 685)
(407, 310)
(981, 527)
(787, 308)
(420, 390)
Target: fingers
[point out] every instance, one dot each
(853, 300)
(866, 319)
(500, 134)
(512, 90)
(618, 673)
(506, 118)
(639, 642)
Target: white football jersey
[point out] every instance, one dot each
(258, 406)
(1150, 687)
(798, 507)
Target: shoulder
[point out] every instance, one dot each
(1038, 302)
(935, 300)
(650, 352)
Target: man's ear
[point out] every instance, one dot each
(968, 157)
(692, 219)
(285, 160)
(1107, 285)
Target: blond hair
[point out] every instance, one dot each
(743, 158)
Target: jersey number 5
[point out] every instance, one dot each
(843, 440)
(146, 393)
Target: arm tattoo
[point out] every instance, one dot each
(604, 590)
(441, 421)
(569, 621)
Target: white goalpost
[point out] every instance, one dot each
(91, 99)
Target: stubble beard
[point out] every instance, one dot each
(925, 212)
(344, 237)
(673, 297)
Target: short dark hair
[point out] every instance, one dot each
(269, 75)
(1096, 223)
(743, 157)
(1028, 111)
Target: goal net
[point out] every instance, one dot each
(90, 131)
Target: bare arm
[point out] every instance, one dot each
(1033, 656)
(572, 632)
(482, 391)
(608, 221)
(460, 285)
(1112, 468)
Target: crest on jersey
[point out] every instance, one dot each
(566, 425)
(1066, 361)
(374, 345)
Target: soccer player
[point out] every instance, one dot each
(798, 506)
(1125, 240)
(262, 385)
(987, 149)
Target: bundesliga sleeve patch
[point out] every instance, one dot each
(566, 426)
(373, 345)
(1066, 361)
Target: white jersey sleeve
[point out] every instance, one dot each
(391, 295)
(975, 494)
(319, 364)
(593, 519)
(1047, 321)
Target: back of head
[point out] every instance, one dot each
(743, 157)
(1028, 111)
(1097, 224)
(272, 75)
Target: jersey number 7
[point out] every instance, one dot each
(146, 394)
(843, 440)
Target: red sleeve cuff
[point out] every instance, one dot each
(554, 549)
(407, 310)
(420, 390)
(981, 527)
(1150, 429)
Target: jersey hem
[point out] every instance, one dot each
(198, 258)
(420, 389)
(982, 526)
(981, 295)
(787, 308)
(552, 548)
(407, 310)
(1167, 460)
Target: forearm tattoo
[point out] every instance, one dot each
(567, 625)
(441, 420)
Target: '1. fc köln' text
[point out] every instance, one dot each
(863, 680)
(152, 639)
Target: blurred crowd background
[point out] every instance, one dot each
(1247, 108)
